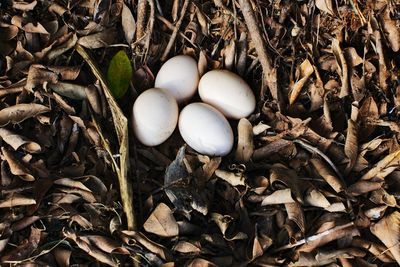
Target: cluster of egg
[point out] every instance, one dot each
(203, 126)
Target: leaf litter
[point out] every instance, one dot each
(314, 178)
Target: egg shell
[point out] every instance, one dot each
(205, 129)
(154, 117)
(227, 92)
(179, 76)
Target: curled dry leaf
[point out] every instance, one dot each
(17, 167)
(89, 248)
(351, 144)
(391, 29)
(20, 112)
(282, 196)
(128, 23)
(325, 5)
(150, 245)
(388, 231)
(98, 40)
(233, 179)
(384, 167)
(304, 72)
(245, 146)
(162, 222)
(327, 174)
(343, 67)
(17, 200)
(18, 141)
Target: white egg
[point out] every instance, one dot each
(179, 76)
(227, 92)
(205, 129)
(154, 117)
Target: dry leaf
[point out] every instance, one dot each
(388, 231)
(384, 167)
(162, 222)
(20, 112)
(304, 72)
(16, 141)
(325, 5)
(128, 24)
(244, 149)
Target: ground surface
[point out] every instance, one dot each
(314, 177)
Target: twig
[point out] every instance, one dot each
(141, 18)
(315, 237)
(175, 32)
(121, 127)
(255, 34)
(312, 149)
(172, 27)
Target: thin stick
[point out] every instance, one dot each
(255, 34)
(121, 127)
(315, 237)
(175, 32)
(141, 18)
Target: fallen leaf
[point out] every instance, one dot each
(119, 74)
(162, 222)
(244, 149)
(304, 72)
(388, 231)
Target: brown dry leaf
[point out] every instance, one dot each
(198, 262)
(296, 214)
(24, 6)
(70, 90)
(39, 75)
(18, 141)
(388, 231)
(391, 29)
(98, 40)
(381, 196)
(351, 144)
(352, 57)
(152, 246)
(303, 72)
(245, 146)
(343, 67)
(90, 249)
(229, 55)
(128, 24)
(282, 196)
(68, 182)
(24, 250)
(378, 250)
(326, 6)
(107, 244)
(162, 222)
(222, 221)
(315, 198)
(373, 26)
(233, 179)
(17, 167)
(384, 167)
(368, 111)
(17, 200)
(187, 247)
(20, 112)
(327, 174)
(271, 149)
(362, 187)
(94, 99)
(62, 256)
